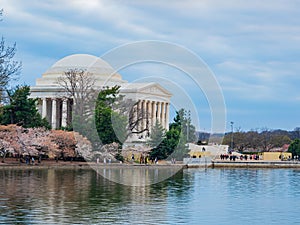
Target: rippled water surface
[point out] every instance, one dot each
(193, 196)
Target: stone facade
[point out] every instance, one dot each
(152, 99)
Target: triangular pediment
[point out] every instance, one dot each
(149, 88)
(154, 88)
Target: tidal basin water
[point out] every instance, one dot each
(192, 196)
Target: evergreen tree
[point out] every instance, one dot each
(294, 147)
(22, 110)
(157, 142)
(157, 135)
(178, 134)
(183, 122)
(110, 125)
(181, 149)
(172, 140)
(174, 143)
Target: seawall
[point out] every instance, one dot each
(256, 164)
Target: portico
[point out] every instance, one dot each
(154, 111)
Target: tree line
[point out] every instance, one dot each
(260, 140)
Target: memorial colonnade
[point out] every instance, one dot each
(58, 112)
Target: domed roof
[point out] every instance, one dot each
(101, 71)
(86, 62)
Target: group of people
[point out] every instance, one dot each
(104, 160)
(227, 156)
(144, 159)
(29, 160)
(232, 157)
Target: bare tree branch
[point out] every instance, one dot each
(135, 117)
(78, 85)
(9, 68)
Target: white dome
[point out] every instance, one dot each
(86, 62)
(103, 73)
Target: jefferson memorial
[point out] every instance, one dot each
(151, 98)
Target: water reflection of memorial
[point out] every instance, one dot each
(138, 175)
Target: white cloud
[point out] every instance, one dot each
(270, 81)
(252, 46)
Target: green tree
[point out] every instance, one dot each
(117, 118)
(157, 141)
(110, 125)
(86, 127)
(157, 135)
(188, 129)
(181, 132)
(174, 143)
(294, 147)
(22, 110)
(183, 122)
(181, 149)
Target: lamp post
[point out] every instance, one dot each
(231, 144)
(188, 126)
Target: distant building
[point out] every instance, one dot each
(276, 156)
(151, 97)
(198, 151)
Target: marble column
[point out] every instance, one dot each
(69, 111)
(163, 122)
(153, 113)
(159, 112)
(44, 108)
(149, 107)
(139, 116)
(54, 116)
(147, 119)
(144, 110)
(167, 115)
(64, 113)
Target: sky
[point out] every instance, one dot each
(252, 48)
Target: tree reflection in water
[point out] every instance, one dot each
(81, 195)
